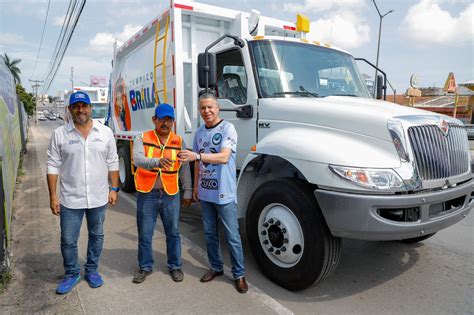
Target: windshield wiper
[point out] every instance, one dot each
(302, 93)
(302, 89)
(353, 95)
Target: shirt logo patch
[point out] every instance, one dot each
(211, 184)
(97, 140)
(208, 173)
(74, 141)
(175, 142)
(217, 138)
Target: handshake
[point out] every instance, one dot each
(183, 156)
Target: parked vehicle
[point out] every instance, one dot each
(41, 116)
(470, 131)
(318, 158)
(98, 97)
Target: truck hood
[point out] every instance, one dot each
(352, 114)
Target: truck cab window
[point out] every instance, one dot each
(231, 77)
(290, 69)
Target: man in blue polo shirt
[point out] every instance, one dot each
(214, 150)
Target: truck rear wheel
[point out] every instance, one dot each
(288, 236)
(417, 239)
(125, 171)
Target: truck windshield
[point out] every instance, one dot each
(99, 110)
(289, 69)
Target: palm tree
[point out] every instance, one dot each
(12, 65)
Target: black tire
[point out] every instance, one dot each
(127, 182)
(417, 239)
(320, 252)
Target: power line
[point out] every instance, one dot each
(63, 47)
(41, 41)
(62, 34)
(67, 44)
(64, 27)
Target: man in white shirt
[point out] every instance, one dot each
(83, 154)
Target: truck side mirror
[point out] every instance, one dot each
(380, 87)
(210, 71)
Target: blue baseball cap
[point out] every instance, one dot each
(79, 96)
(164, 110)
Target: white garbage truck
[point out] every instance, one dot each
(318, 158)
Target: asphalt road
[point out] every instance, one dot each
(432, 277)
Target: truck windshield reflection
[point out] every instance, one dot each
(289, 69)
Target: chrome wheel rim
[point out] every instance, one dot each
(280, 235)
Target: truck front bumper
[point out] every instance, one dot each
(364, 217)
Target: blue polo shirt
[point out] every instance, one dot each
(217, 182)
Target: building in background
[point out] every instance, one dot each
(452, 100)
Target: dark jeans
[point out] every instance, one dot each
(148, 207)
(71, 221)
(227, 213)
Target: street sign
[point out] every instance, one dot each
(450, 84)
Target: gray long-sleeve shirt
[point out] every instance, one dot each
(140, 160)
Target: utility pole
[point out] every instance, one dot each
(381, 16)
(72, 78)
(35, 85)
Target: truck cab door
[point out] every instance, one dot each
(237, 97)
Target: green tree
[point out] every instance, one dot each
(12, 65)
(27, 98)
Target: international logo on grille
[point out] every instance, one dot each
(444, 126)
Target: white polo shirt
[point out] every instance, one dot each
(82, 164)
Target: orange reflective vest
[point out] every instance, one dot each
(145, 179)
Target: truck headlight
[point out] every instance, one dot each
(379, 179)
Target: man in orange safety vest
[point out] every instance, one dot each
(155, 153)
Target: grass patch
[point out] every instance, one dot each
(4, 279)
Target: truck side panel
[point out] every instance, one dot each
(196, 32)
(135, 92)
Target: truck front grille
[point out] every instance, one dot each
(438, 156)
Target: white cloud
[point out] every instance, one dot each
(427, 23)
(345, 30)
(11, 39)
(142, 11)
(29, 8)
(340, 22)
(103, 42)
(323, 5)
(58, 20)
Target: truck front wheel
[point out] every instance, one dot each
(288, 236)
(125, 171)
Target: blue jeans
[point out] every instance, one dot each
(148, 207)
(227, 213)
(71, 221)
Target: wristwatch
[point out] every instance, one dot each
(117, 189)
(198, 156)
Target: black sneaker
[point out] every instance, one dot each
(141, 275)
(176, 275)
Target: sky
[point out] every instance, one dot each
(429, 38)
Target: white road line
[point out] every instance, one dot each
(265, 299)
